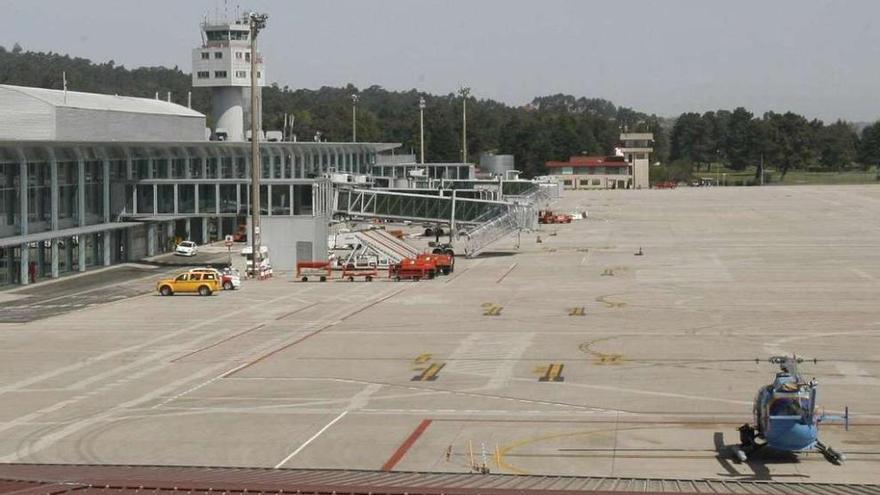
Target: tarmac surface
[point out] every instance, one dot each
(571, 356)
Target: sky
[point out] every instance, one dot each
(815, 57)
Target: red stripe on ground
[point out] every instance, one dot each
(297, 341)
(215, 344)
(405, 446)
(506, 273)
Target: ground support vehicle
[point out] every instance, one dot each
(349, 272)
(548, 216)
(444, 263)
(229, 278)
(203, 283)
(315, 269)
(412, 269)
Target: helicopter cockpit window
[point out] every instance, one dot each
(788, 407)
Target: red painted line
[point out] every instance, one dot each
(506, 273)
(368, 306)
(297, 341)
(215, 344)
(285, 315)
(273, 352)
(406, 445)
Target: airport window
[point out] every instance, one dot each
(228, 200)
(239, 55)
(597, 182)
(238, 35)
(259, 74)
(280, 199)
(218, 55)
(220, 74)
(203, 74)
(206, 55)
(207, 198)
(302, 199)
(240, 74)
(9, 200)
(165, 199)
(186, 198)
(247, 56)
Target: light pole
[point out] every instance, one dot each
(256, 23)
(354, 113)
(464, 92)
(422, 128)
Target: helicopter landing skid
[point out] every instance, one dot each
(832, 455)
(747, 443)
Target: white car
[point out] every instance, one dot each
(186, 248)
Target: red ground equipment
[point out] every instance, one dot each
(315, 269)
(240, 234)
(412, 269)
(547, 216)
(666, 185)
(350, 272)
(444, 263)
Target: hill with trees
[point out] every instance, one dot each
(549, 128)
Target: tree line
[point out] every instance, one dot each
(785, 141)
(549, 128)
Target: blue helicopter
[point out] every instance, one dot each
(786, 418)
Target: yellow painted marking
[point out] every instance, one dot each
(610, 304)
(541, 370)
(492, 310)
(578, 311)
(423, 358)
(601, 357)
(553, 374)
(430, 374)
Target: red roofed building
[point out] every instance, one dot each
(626, 170)
(592, 172)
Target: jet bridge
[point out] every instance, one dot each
(478, 222)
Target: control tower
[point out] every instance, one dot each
(223, 62)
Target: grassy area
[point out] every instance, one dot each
(793, 177)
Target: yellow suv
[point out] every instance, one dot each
(202, 283)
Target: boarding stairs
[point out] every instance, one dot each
(479, 222)
(383, 246)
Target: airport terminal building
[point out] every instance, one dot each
(91, 180)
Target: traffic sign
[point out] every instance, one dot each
(228, 241)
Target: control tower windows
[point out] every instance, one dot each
(238, 35)
(217, 35)
(206, 55)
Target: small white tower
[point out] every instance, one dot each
(223, 62)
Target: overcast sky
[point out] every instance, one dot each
(815, 57)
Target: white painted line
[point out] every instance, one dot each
(307, 442)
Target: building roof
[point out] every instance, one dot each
(39, 479)
(589, 161)
(95, 101)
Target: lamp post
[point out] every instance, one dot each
(256, 23)
(422, 128)
(464, 92)
(354, 112)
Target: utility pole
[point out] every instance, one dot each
(256, 22)
(762, 169)
(422, 128)
(464, 92)
(354, 113)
